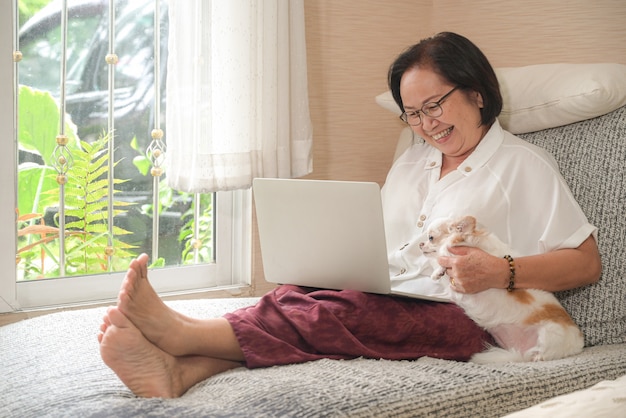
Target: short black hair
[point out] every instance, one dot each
(459, 61)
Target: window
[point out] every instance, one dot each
(43, 271)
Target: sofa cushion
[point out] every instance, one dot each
(592, 157)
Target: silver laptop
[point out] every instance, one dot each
(323, 234)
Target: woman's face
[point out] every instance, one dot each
(457, 132)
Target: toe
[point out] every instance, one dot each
(118, 319)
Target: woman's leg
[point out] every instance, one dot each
(147, 370)
(171, 331)
(292, 325)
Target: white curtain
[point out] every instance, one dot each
(237, 101)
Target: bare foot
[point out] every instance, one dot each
(143, 367)
(171, 331)
(138, 301)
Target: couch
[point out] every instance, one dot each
(50, 365)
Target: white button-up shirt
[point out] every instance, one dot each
(512, 187)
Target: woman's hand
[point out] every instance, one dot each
(474, 270)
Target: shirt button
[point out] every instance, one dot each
(468, 169)
(432, 163)
(420, 224)
(422, 217)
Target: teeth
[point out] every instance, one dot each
(442, 134)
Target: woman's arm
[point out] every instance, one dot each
(474, 270)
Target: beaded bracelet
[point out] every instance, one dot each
(512, 272)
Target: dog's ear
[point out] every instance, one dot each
(456, 227)
(466, 224)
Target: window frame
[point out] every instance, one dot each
(232, 267)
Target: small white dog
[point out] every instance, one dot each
(528, 324)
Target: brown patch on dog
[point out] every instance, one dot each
(550, 312)
(465, 225)
(522, 296)
(457, 239)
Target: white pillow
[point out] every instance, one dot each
(545, 96)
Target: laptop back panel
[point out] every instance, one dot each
(325, 234)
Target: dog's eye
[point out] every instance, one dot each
(431, 238)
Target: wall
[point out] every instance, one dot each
(517, 33)
(351, 43)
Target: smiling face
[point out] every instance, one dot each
(457, 132)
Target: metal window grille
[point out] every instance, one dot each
(155, 152)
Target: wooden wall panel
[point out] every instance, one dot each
(350, 46)
(517, 33)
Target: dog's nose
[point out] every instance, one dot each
(421, 245)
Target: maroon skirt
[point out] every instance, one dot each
(291, 324)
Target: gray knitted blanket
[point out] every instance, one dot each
(50, 367)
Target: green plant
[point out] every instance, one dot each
(87, 207)
(27, 8)
(33, 228)
(202, 241)
(87, 238)
(38, 127)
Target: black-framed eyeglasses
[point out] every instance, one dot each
(432, 109)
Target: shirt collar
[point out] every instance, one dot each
(478, 158)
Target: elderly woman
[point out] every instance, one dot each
(466, 164)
